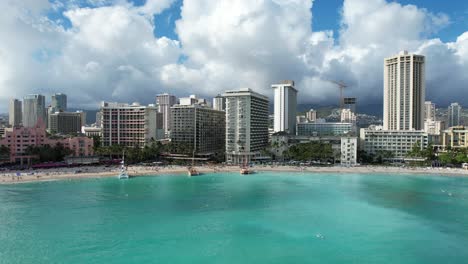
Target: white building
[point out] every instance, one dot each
(404, 92)
(432, 127)
(349, 146)
(15, 112)
(285, 107)
(91, 131)
(429, 111)
(246, 125)
(34, 109)
(130, 125)
(347, 116)
(311, 115)
(219, 103)
(454, 112)
(398, 142)
(164, 103)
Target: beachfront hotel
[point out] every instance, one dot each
(246, 125)
(349, 146)
(18, 139)
(199, 129)
(130, 124)
(404, 92)
(400, 142)
(164, 102)
(285, 104)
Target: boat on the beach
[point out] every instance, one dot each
(191, 171)
(123, 171)
(245, 168)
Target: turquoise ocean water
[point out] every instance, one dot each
(228, 218)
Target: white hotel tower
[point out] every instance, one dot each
(285, 107)
(404, 92)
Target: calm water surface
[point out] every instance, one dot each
(228, 218)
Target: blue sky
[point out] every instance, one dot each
(113, 51)
(326, 16)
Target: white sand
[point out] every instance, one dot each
(8, 177)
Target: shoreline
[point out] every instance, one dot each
(96, 172)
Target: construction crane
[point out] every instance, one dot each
(341, 85)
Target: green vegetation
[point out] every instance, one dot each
(455, 157)
(381, 157)
(134, 154)
(311, 151)
(4, 153)
(47, 153)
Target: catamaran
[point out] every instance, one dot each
(123, 171)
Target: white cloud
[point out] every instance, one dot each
(110, 52)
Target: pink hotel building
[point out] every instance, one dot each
(18, 139)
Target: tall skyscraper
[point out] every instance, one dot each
(246, 125)
(285, 107)
(219, 103)
(164, 103)
(404, 92)
(34, 109)
(429, 111)
(59, 102)
(454, 112)
(15, 112)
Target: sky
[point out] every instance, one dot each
(129, 51)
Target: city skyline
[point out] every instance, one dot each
(150, 60)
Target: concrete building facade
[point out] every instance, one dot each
(285, 104)
(65, 122)
(34, 109)
(219, 103)
(453, 115)
(349, 147)
(429, 111)
(246, 125)
(398, 142)
(130, 124)
(164, 103)
(311, 115)
(324, 129)
(199, 129)
(59, 102)
(15, 112)
(18, 139)
(455, 138)
(404, 92)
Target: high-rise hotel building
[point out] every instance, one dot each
(198, 129)
(453, 114)
(130, 124)
(246, 125)
(285, 107)
(164, 103)
(15, 112)
(34, 110)
(404, 92)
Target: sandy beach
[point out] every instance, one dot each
(8, 177)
